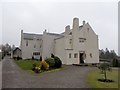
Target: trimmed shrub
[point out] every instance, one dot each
(50, 61)
(45, 65)
(58, 62)
(40, 58)
(52, 56)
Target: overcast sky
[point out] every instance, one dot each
(35, 17)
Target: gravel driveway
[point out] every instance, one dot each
(70, 77)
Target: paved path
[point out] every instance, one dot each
(70, 77)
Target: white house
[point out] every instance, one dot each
(78, 44)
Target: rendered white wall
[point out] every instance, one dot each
(60, 49)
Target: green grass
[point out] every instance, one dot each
(26, 64)
(95, 74)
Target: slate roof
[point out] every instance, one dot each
(59, 37)
(16, 49)
(55, 34)
(32, 36)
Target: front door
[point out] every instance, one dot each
(81, 57)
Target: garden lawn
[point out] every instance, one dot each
(26, 64)
(95, 74)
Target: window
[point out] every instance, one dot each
(35, 46)
(40, 46)
(69, 55)
(70, 41)
(82, 40)
(36, 53)
(91, 55)
(70, 33)
(26, 43)
(75, 55)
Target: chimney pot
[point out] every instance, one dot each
(84, 22)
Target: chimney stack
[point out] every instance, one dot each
(67, 29)
(75, 24)
(84, 22)
(21, 31)
(44, 32)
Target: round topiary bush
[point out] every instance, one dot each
(58, 62)
(50, 61)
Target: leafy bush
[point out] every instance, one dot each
(37, 69)
(50, 61)
(52, 56)
(58, 62)
(104, 67)
(54, 61)
(36, 64)
(45, 65)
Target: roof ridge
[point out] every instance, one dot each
(32, 34)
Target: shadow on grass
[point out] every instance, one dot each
(106, 80)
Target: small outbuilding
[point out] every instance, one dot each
(16, 53)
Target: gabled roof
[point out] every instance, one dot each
(80, 27)
(32, 36)
(16, 49)
(57, 35)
